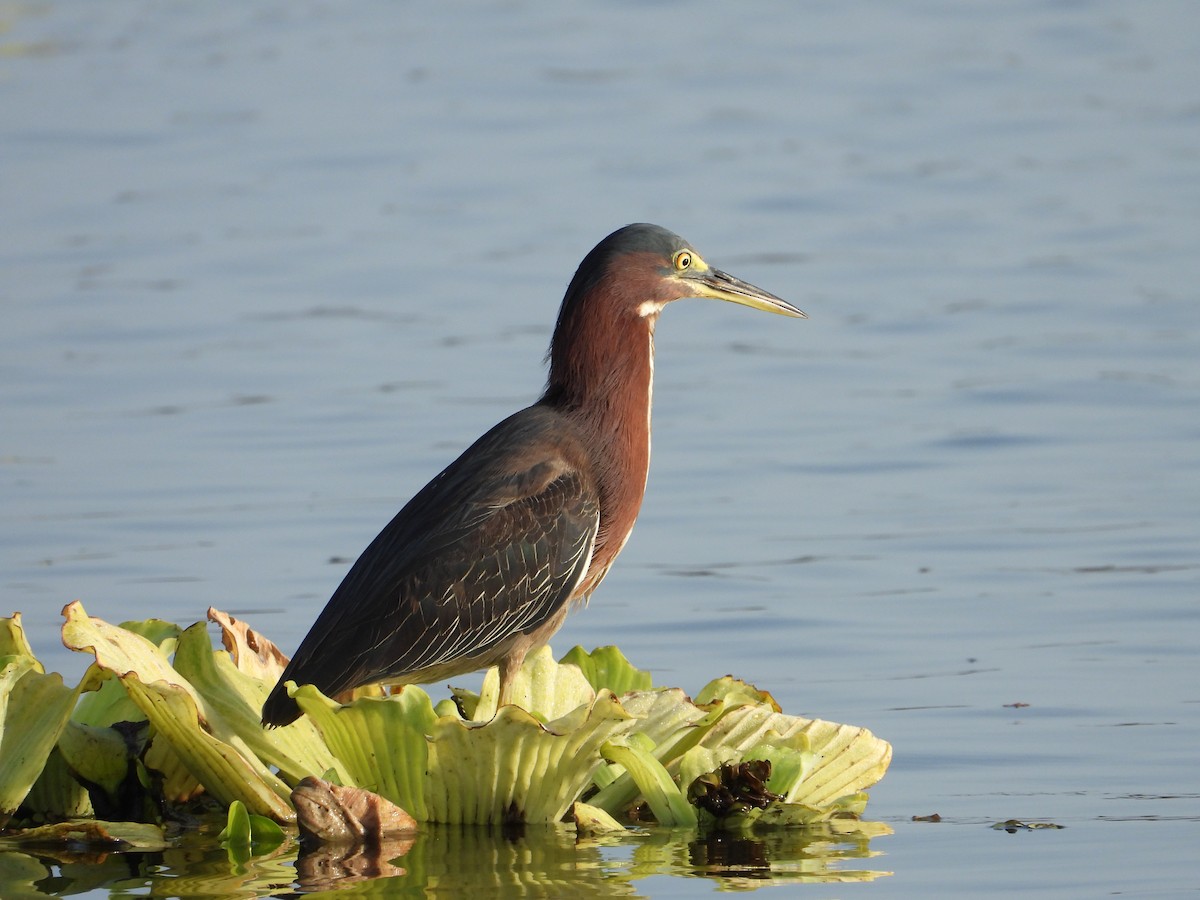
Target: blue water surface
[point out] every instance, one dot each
(265, 268)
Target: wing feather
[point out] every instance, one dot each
(493, 547)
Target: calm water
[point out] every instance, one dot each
(265, 269)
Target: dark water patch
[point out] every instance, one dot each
(988, 440)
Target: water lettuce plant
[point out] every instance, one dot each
(161, 716)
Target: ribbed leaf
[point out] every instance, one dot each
(227, 772)
(233, 700)
(673, 724)
(818, 762)
(381, 742)
(844, 759)
(34, 708)
(101, 756)
(513, 768)
(227, 768)
(56, 794)
(543, 687)
(607, 667)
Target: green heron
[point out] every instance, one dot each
(482, 565)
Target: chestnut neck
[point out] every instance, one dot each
(601, 379)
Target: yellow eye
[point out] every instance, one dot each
(682, 260)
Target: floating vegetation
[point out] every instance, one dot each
(1012, 826)
(162, 721)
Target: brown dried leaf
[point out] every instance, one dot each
(252, 653)
(91, 835)
(332, 814)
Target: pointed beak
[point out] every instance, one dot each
(718, 285)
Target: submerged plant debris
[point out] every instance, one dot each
(162, 720)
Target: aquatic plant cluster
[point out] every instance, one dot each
(162, 718)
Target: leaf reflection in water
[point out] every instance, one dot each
(549, 860)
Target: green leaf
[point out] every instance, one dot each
(246, 835)
(526, 762)
(593, 820)
(514, 767)
(789, 764)
(161, 634)
(735, 692)
(819, 762)
(56, 795)
(227, 768)
(844, 758)
(101, 756)
(233, 702)
(235, 836)
(447, 769)
(380, 741)
(265, 834)
(673, 723)
(607, 667)
(34, 708)
(237, 825)
(544, 688)
(667, 802)
(106, 705)
(701, 760)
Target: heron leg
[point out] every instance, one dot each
(510, 665)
